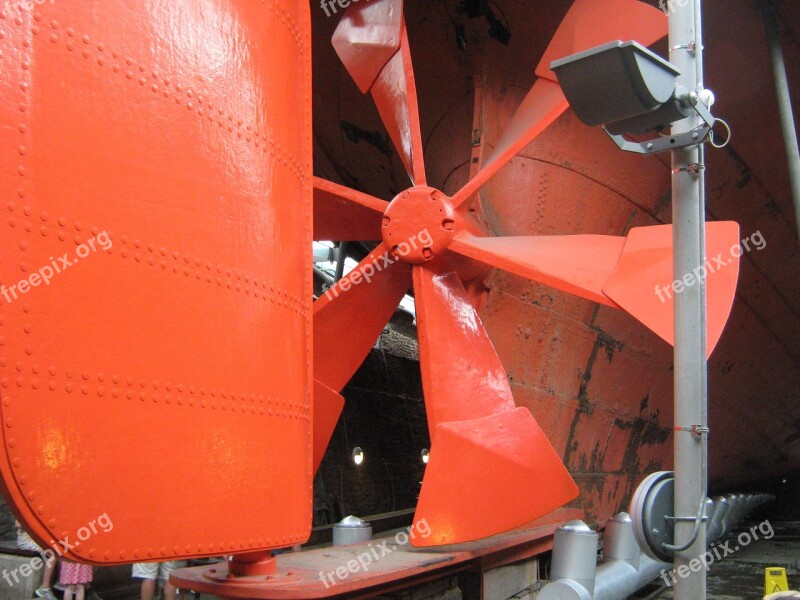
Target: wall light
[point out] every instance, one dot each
(424, 456)
(358, 455)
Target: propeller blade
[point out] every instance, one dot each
(372, 42)
(643, 282)
(350, 316)
(367, 36)
(328, 406)
(491, 467)
(587, 24)
(576, 264)
(543, 105)
(487, 476)
(343, 214)
(462, 375)
(590, 23)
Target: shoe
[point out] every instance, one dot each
(46, 593)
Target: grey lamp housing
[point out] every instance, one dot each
(628, 89)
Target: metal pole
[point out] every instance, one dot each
(769, 17)
(688, 218)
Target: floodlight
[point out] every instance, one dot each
(627, 89)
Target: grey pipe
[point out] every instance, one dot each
(625, 568)
(769, 17)
(617, 580)
(714, 531)
(576, 559)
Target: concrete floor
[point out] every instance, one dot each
(740, 575)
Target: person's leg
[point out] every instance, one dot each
(147, 572)
(164, 570)
(80, 591)
(47, 574)
(68, 592)
(148, 589)
(169, 590)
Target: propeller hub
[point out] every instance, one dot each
(419, 224)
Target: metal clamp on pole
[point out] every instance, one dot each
(697, 431)
(685, 101)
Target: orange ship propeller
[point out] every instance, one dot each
(483, 447)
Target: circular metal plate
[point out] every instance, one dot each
(651, 505)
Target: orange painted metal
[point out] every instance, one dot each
(577, 264)
(366, 38)
(481, 445)
(633, 273)
(348, 319)
(372, 42)
(541, 107)
(419, 225)
(341, 213)
(164, 378)
(644, 285)
(462, 377)
(491, 467)
(587, 24)
(350, 316)
(328, 406)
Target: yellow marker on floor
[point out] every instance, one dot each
(775, 580)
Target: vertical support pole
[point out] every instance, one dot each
(770, 19)
(688, 219)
